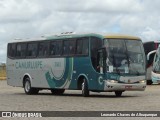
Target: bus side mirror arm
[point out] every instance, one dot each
(148, 55)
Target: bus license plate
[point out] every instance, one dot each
(128, 87)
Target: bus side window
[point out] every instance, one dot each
(69, 47)
(82, 46)
(72, 47)
(96, 43)
(32, 50)
(11, 50)
(66, 47)
(79, 47)
(59, 48)
(21, 50)
(18, 50)
(85, 46)
(53, 48)
(43, 49)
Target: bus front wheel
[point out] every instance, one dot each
(85, 91)
(149, 82)
(118, 93)
(28, 89)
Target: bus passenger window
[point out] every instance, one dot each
(43, 49)
(79, 47)
(56, 48)
(72, 47)
(85, 46)
(40, 50)
(18, 51)
(52, 48)
(32, 50)
(66, 47)
(82, 46)
(11, 50)
(21, 50)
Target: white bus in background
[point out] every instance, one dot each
(150, 49)
(156, 67)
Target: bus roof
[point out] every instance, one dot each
(73, 35)
(156, 41)
(120, 36)
(109, 36)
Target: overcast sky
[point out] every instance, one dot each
(34, 18)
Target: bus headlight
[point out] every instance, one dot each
(113, 81)
(142, 81)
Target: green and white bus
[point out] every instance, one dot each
(87, 62)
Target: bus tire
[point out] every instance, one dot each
(149, 82)
(57, 91)
(28, 89)
(118, 93)
(85, 91)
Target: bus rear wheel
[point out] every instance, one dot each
(118, 93)
(85, 91)
(28, 89)
(57, 91)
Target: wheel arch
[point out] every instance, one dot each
(80, 81)
(26, 76)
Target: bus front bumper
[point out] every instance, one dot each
(111, 86)
(155, 77)
(156, 80)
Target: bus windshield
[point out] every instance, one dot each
(125, 56)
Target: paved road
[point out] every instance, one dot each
(14, 99)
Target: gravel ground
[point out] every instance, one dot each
(14, 99)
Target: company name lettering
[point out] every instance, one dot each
(29, 65)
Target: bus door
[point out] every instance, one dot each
(101, 67)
